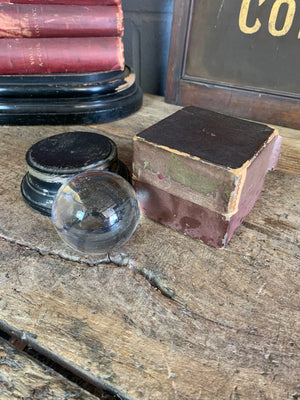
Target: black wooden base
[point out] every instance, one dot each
(39, 195)
(58, 99)
(54, 160)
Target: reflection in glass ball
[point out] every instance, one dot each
(95, 212)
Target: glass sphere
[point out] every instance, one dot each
(95, 212)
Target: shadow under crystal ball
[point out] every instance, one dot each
(95, 212)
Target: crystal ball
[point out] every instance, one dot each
(95, 211)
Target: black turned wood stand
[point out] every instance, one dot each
(68, 98)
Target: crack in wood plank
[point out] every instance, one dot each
(122, 260)
(118, 259)
(30, 340)
(22, 376)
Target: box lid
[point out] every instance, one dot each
(211, 136)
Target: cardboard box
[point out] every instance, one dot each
(200, 172)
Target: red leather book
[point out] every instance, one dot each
(65, 2)
(46, 55)
(27, 20)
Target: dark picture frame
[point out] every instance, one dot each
(237, 57)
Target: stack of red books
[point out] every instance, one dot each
(54, 36)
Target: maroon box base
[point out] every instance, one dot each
(197, 221)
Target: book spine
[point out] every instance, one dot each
(65, 2)
(25, 20)
(55, 55)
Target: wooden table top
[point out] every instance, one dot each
(167, 318)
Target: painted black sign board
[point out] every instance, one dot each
(240, 57)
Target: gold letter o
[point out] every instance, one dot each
(288, 19)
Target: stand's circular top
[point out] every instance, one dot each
(71, 152)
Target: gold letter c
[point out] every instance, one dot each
(244, 15)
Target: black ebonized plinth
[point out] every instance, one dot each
(68, 98)
(52, 161)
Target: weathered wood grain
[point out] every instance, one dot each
(167, 316)
(21, 377)
(229, 323)
(290, 154)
